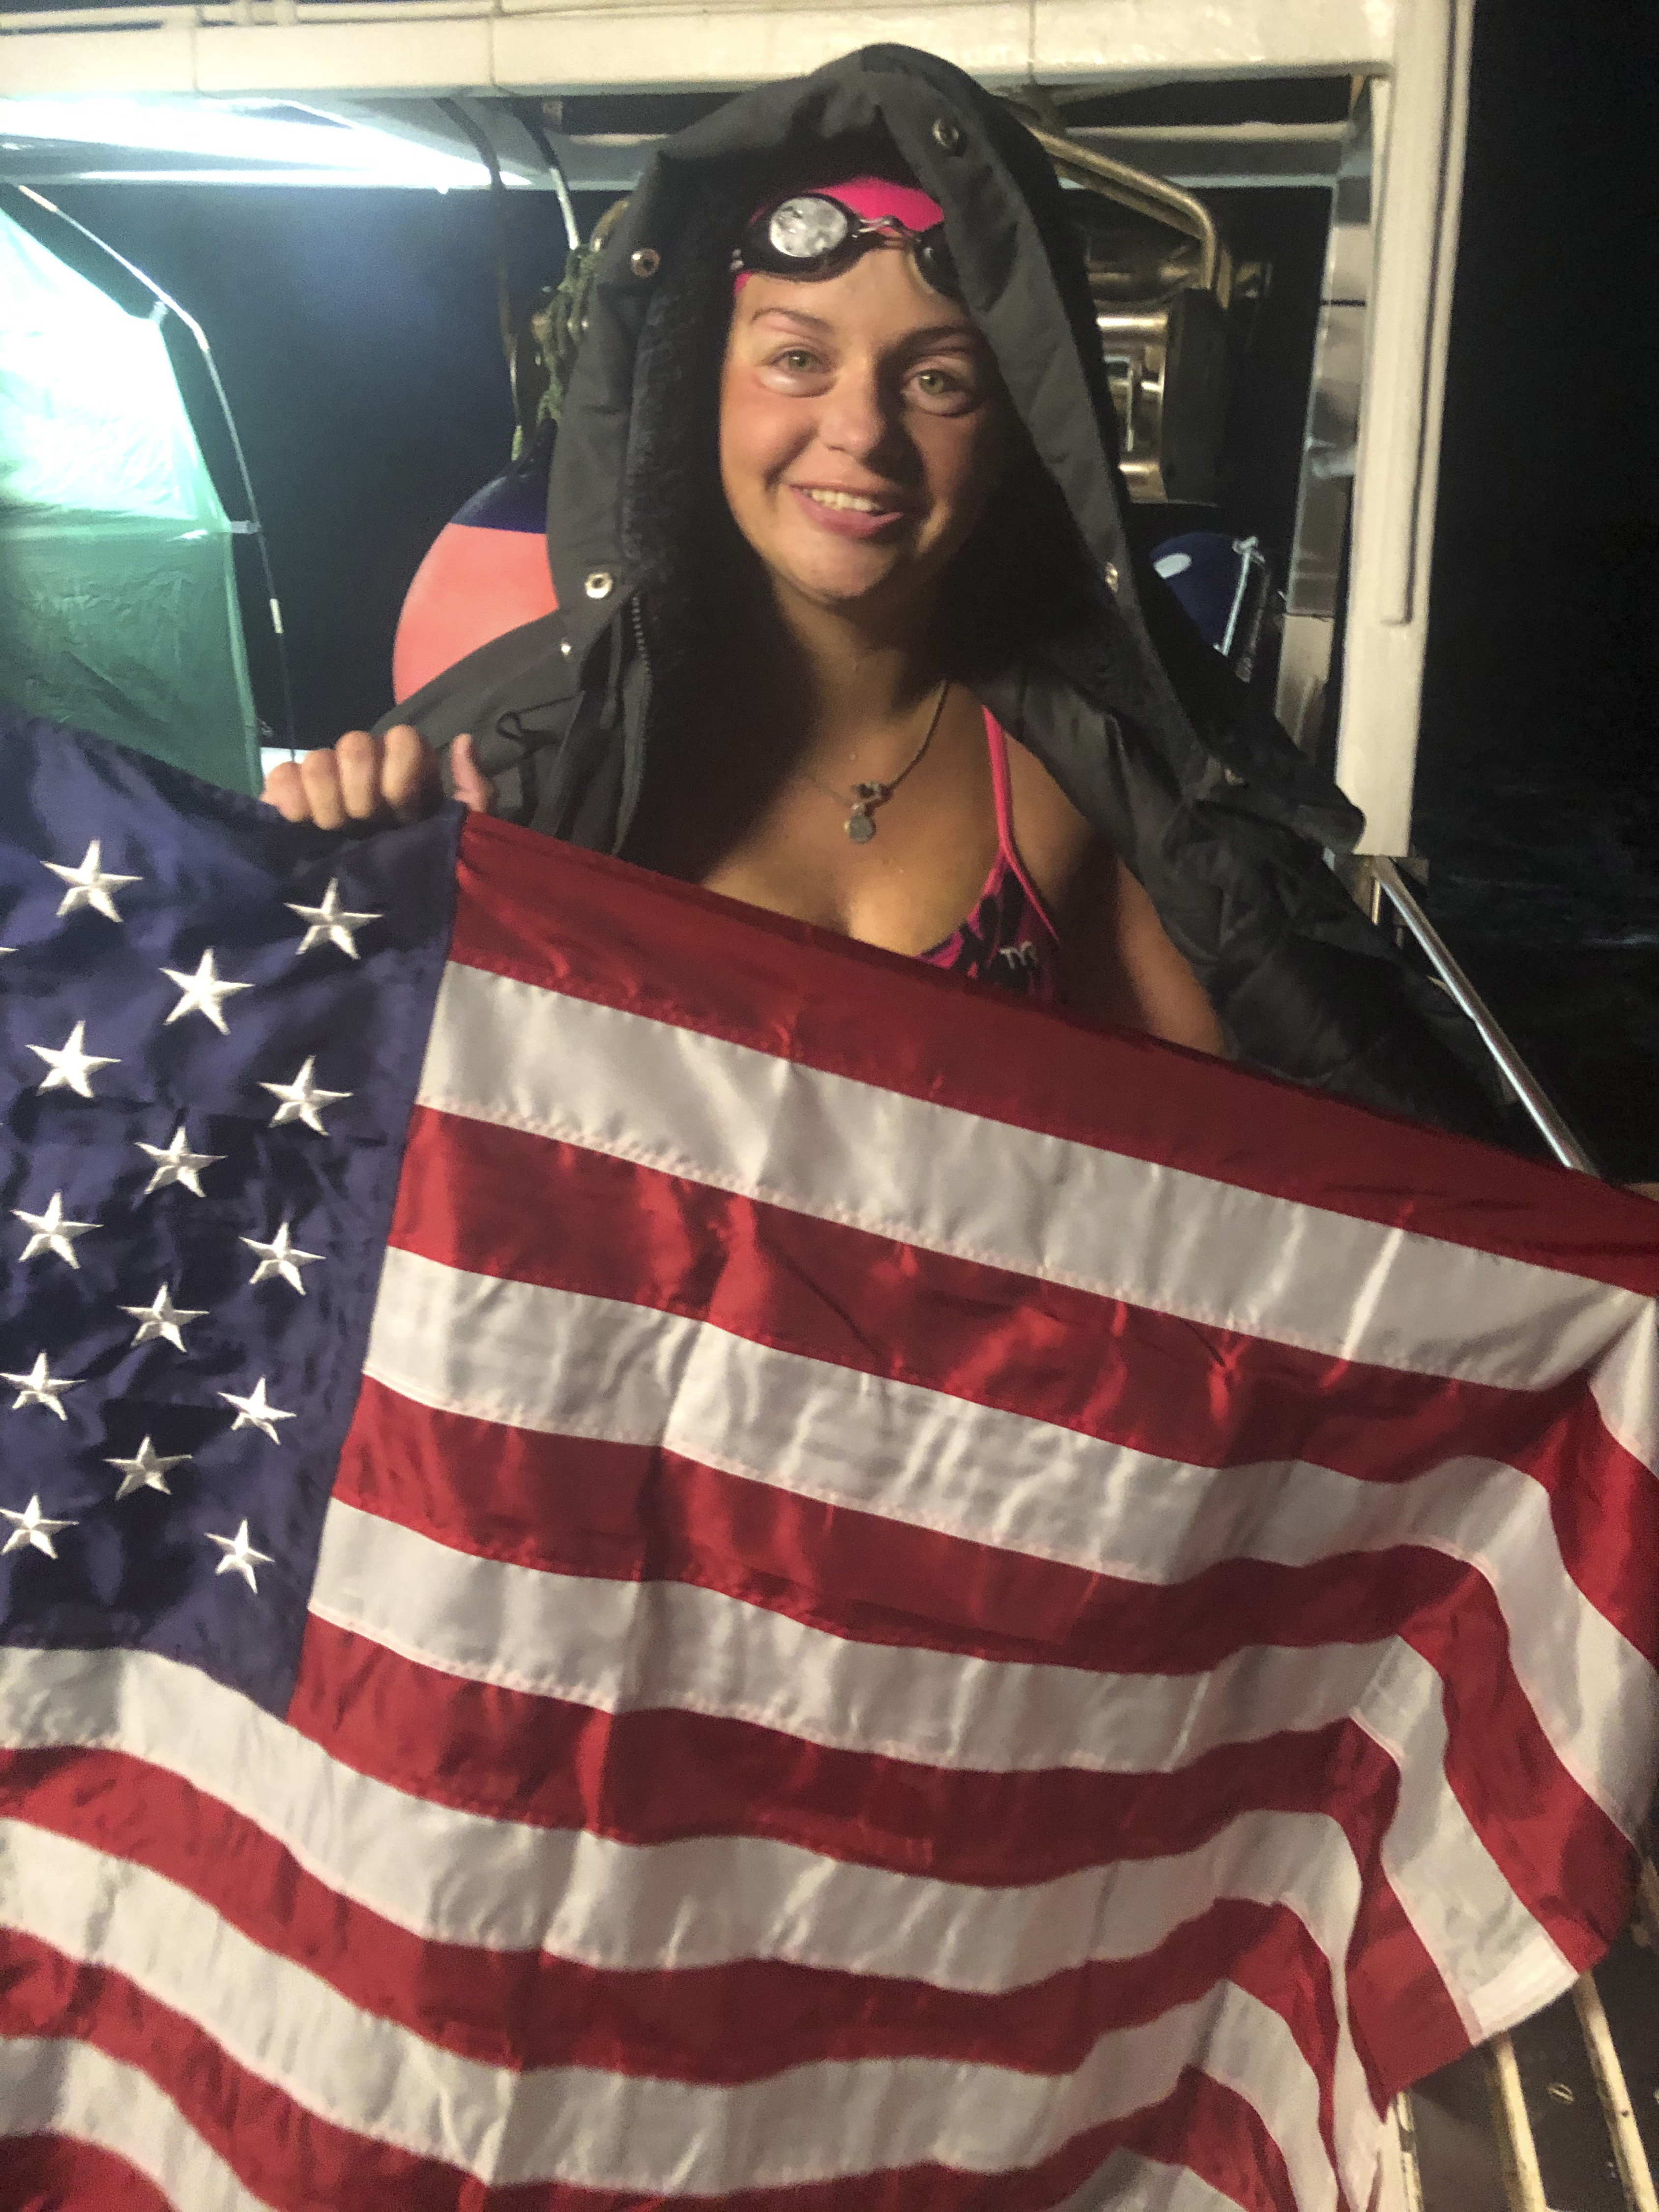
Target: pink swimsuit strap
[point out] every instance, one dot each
(1002, 794)
(1009, 938)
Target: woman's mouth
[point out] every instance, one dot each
(848, 514)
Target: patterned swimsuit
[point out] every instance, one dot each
(1008, 938)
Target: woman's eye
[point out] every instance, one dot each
(796, 361)
(943, 388)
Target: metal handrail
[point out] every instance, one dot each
(1142, 194)
(1523, 2181)
(1400, 2182)
(1385, 873)
(1615, 2093)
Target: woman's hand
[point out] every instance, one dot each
(368, 779)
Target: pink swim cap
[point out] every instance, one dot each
(875, 198)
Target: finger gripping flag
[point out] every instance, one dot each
(651, 1559)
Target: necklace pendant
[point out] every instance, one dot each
(866, 797)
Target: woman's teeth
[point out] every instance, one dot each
(855, 501)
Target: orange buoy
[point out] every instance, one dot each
(485, 574)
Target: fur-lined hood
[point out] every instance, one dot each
(1220, 816)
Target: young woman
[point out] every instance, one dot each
(851, 627)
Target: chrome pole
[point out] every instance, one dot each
(1614, 2093)
(1400, 2178)
(1524, 2182)
(1386, 875)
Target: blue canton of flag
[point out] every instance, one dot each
(211, 1026)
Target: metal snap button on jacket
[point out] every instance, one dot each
(600, 584)
(645, 261)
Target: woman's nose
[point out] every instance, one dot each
(856, 419)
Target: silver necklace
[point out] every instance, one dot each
(864, 797)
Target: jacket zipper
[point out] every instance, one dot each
(634, 771)
(638, 620)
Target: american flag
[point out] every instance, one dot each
(654, 1560)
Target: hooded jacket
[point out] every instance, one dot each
(1215, 811)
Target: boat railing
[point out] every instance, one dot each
(1382, 885)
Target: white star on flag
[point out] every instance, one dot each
(253, 1412)
(280, 1257)
(89, 886)
(33, 1527)
(146, 1470)
(331, 922)
(70, 1064)
(201, 992)
(52, 1232)
(160, 1317)
(176, 1163)
(40, 1387)
(301, 1099)
(241, 1558)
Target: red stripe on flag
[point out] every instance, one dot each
(290, 2156)
(744, 2021)
(655, 1777)
(633, 1514)
(57, 2174)
(1403, 2024)
(499, 1202)
(1216, 2135)
(598, 928)
(1604, 1505)
(297, 2161)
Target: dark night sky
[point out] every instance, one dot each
(355, 334)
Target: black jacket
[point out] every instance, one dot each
(1218, 815)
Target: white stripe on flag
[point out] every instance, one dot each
(723, 1113)
(457, 1877)
(479, 1345)
(637, 1647)
(1130, 2183)
(1625, 1388)
(74, 2090)
(603, 2131)
(413, 1596)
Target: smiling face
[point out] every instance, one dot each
(861, 433)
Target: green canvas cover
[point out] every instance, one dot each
(118, 590)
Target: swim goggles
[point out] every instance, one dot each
(814, 235)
